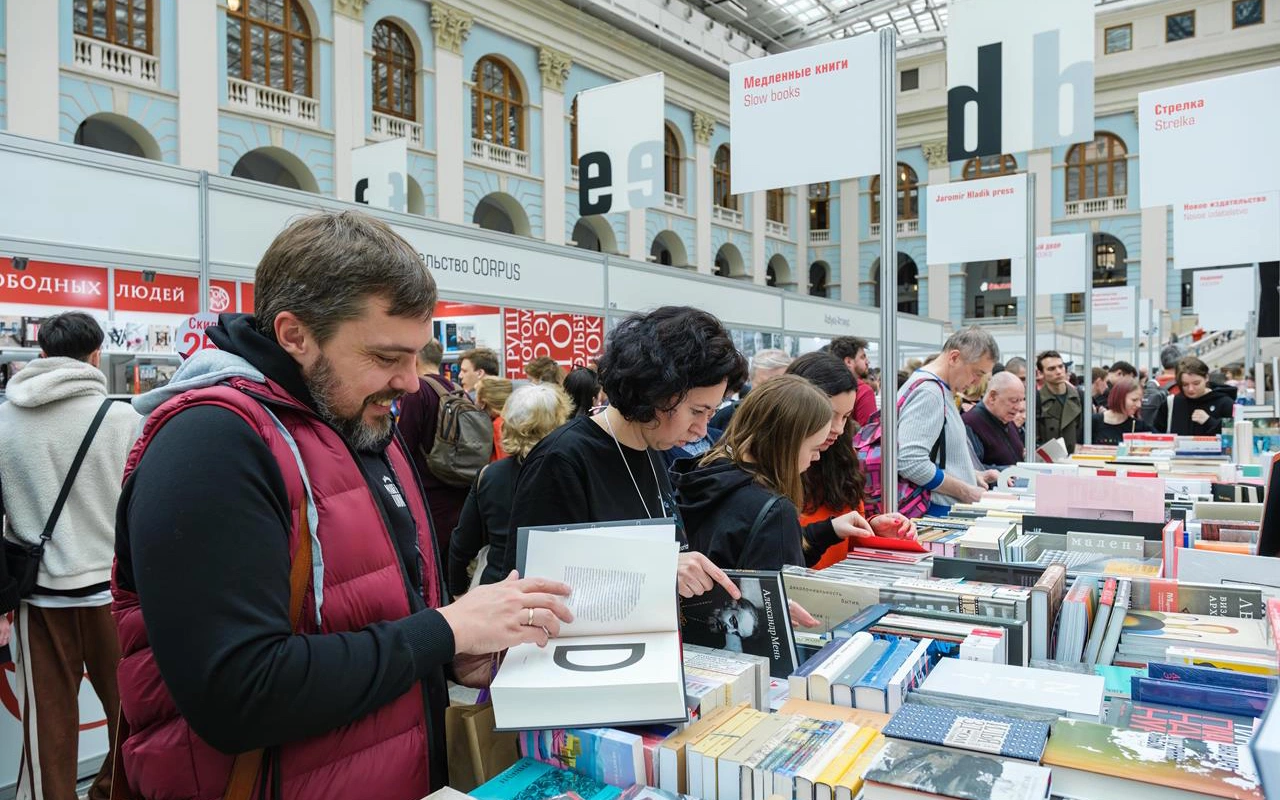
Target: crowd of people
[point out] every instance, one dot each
(274, 565)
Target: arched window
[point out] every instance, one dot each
(989, 167)
(908, 284)
(1110, 268)
(573, 132)
(126, 23)
(775, 205)
(818, 279)
(720, 193)
(671, 159)
(1098, 169)
(394, 68)
(908, 195)
(497, 104)
(269, 43)
(819, 206)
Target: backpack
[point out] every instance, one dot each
(1152, 397)
(913, 501)
(464, 438)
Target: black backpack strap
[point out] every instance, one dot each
(75, 468)
(764, 512)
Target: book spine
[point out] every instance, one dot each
(908, 676)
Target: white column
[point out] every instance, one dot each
(1040, 164)
(850, 262)
(703, 129)
(348, 95)
(197, 85)
(451, 28)
(554, 67)
(637, 246)
(800, 230)
(939, 274)
(1155, 255)
(32, 68)
(758, 217)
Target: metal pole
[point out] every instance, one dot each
(1252, 347)
(1088, 336)
(1031, 318)
(888, 268)
(202, 196)
(1137, 328)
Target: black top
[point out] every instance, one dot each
(720, 503)
(576, 475)
(1106, 433)
(1216, 404)
(485, 520)
(203, 540)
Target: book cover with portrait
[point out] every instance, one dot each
(757, 624)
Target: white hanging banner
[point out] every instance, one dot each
(378, 173)
(977, 220)
(1213, 138)
(1236, 230)
(1222, 298)
(1061, 266)
(1113, 310)
(1019, 76)
(805, 116)
(620, 163)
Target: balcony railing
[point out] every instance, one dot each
(673, 201)
(273, 102)
(499, 156)
(906, 227)
(1099, 205)
(820, 236)
(573, 174)
(780, 229)
(729, 215)
(385, 126)
(119, 63)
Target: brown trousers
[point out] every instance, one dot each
(53, 649)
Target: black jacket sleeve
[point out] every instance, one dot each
(467, 540)
(818, 537)
(202, 534)
(781, 540)
(1161, 423)
(1222, 411)
(8, 585)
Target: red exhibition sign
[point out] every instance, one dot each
(44, 283)
(568, 338)
(222, 297)
(164, 294)
(449, 308)
(246, 298)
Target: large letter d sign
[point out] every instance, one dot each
(562, 652)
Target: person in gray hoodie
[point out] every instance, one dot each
(64, 628)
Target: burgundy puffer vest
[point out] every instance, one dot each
(383, 755)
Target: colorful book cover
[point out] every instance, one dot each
(1236, 662)
(1211, 768)
(758, 623)
(986, 733)
(1205, 698)
(959, 774)
(1158, 629)
(1117, 679)
(605, 754)
(850, 783)
(1190, 723)
(1209, 676)
(529, 779)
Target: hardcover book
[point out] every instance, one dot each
(619, 661)
(1210, 676)
(1203, 725)
(528, 779)
(1265, 748)
(909, 769)
(607, 755)
(1091, 760)
(986, 733)
(1205, 698)
(1151, 633)
(1069, 694)
(757, 624)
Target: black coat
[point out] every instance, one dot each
(1216, 403)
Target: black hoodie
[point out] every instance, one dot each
(1216, 403)
(202, 537)
(720, 504)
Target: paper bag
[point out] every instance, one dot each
(476, 752)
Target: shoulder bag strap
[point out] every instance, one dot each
(437, 385)
(65, 492)
(764, 512)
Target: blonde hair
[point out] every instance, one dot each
(766, 433)
(530, 414)
(492, 393)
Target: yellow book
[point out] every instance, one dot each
(859, 717)
(850, 783)
(672, 771)
(824, 785)
(701, 757)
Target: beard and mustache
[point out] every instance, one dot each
(323, 383)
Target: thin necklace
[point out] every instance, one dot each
(627, 464)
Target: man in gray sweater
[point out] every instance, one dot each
(929, 413)
(64, 628)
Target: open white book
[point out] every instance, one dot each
(619, 661)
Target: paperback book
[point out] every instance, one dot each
(910, 769)
(986, 733)
(757, 624)
(1203, 725)
(529, 779)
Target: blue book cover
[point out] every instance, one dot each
(878, 676)
(861, 621)
(528, 779)
(1212, 676)
(1206, 698)
(985, 733)
(604, 754)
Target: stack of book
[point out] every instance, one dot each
(1149, 635)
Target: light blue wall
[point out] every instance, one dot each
(415, 18)
(658, 221)
(79, 99)
(237, 136)
(524, 59)
(479, 182)
(422, 168)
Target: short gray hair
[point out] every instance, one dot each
(531, 412)
(974, 344)
(1003, 380)
(1170, 356)
(769, 359)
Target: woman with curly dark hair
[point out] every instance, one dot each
(665, 373)
(835, 484)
